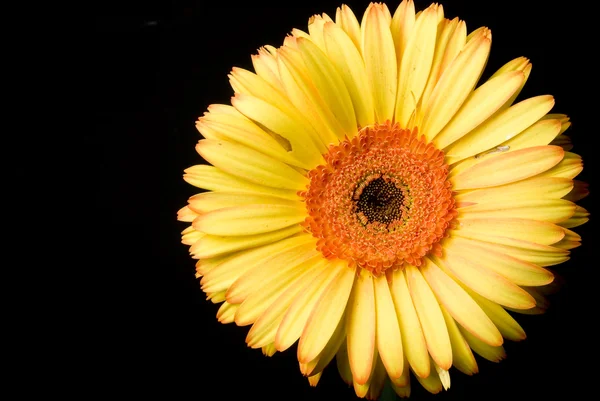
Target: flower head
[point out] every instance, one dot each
(368, 198)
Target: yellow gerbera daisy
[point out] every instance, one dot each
(368, 200)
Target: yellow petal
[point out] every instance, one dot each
(455, 84)
(249, 220)
(231, 268)
(508, 167)
(325, 316)
(299, 249)
(539, 134)
(377, 381)
(462, 357)
(389, 341)
(540, 232)
(214, 179)
(265, 65)
(478, 107)
(460, 305)
(226, 313)
(508, 326)
(551, 210)
(415, 65)
(579, 217)
(402, 26)
(273, 286)
(330, 85)
(515, 270)
(483, 281)
(210, 246)
(209, 201)
(500, 128)
(343, 364)
(541, 255)
(345, 18)
(264, 329)
(430, 316)
(186, 214)
(331, 349)
(347, 60)
(283, 122)
(380, 61)
(297, 315)
(361, 328)
(250, 165)
(413, 341)
(520, 64)
(431, 383)
(301, 91)
(493, 354)
(569, 167)
(531, 188)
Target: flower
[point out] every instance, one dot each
(367, 199)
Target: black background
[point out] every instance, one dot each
(160, 65)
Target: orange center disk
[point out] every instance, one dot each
(382, 199)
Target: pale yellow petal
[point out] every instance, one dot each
(347, 60)
(460, 305)
(286, 123)
(361, 328)
(299, 249)
(186, 214)
(389, 340)
(249, 220)
(210, 246)
(209, 201)
(581, 216)
(541, 255)
(535, 187)
(569, 167)
(248, 164)
(540, 232)
(415, 65)
(508, 167)
(430, 316)
(330, 85)
(493, 354)
(302, 92)
(484, 281)
(462, 357)
(478, 107)
(500, 128)
(520, 64)
(231, 268)
(214, 179)
(264, 329)
(331, 349)
(380, 61)
(448, 44)
(274, 284)
(456, 84)
(402, 26)
(551, 210)
(226, 312)
(508, 326)
(345, 19)
(325, 316)
(413, 340)
(515, 270)
(297, 315)
(431, 383)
